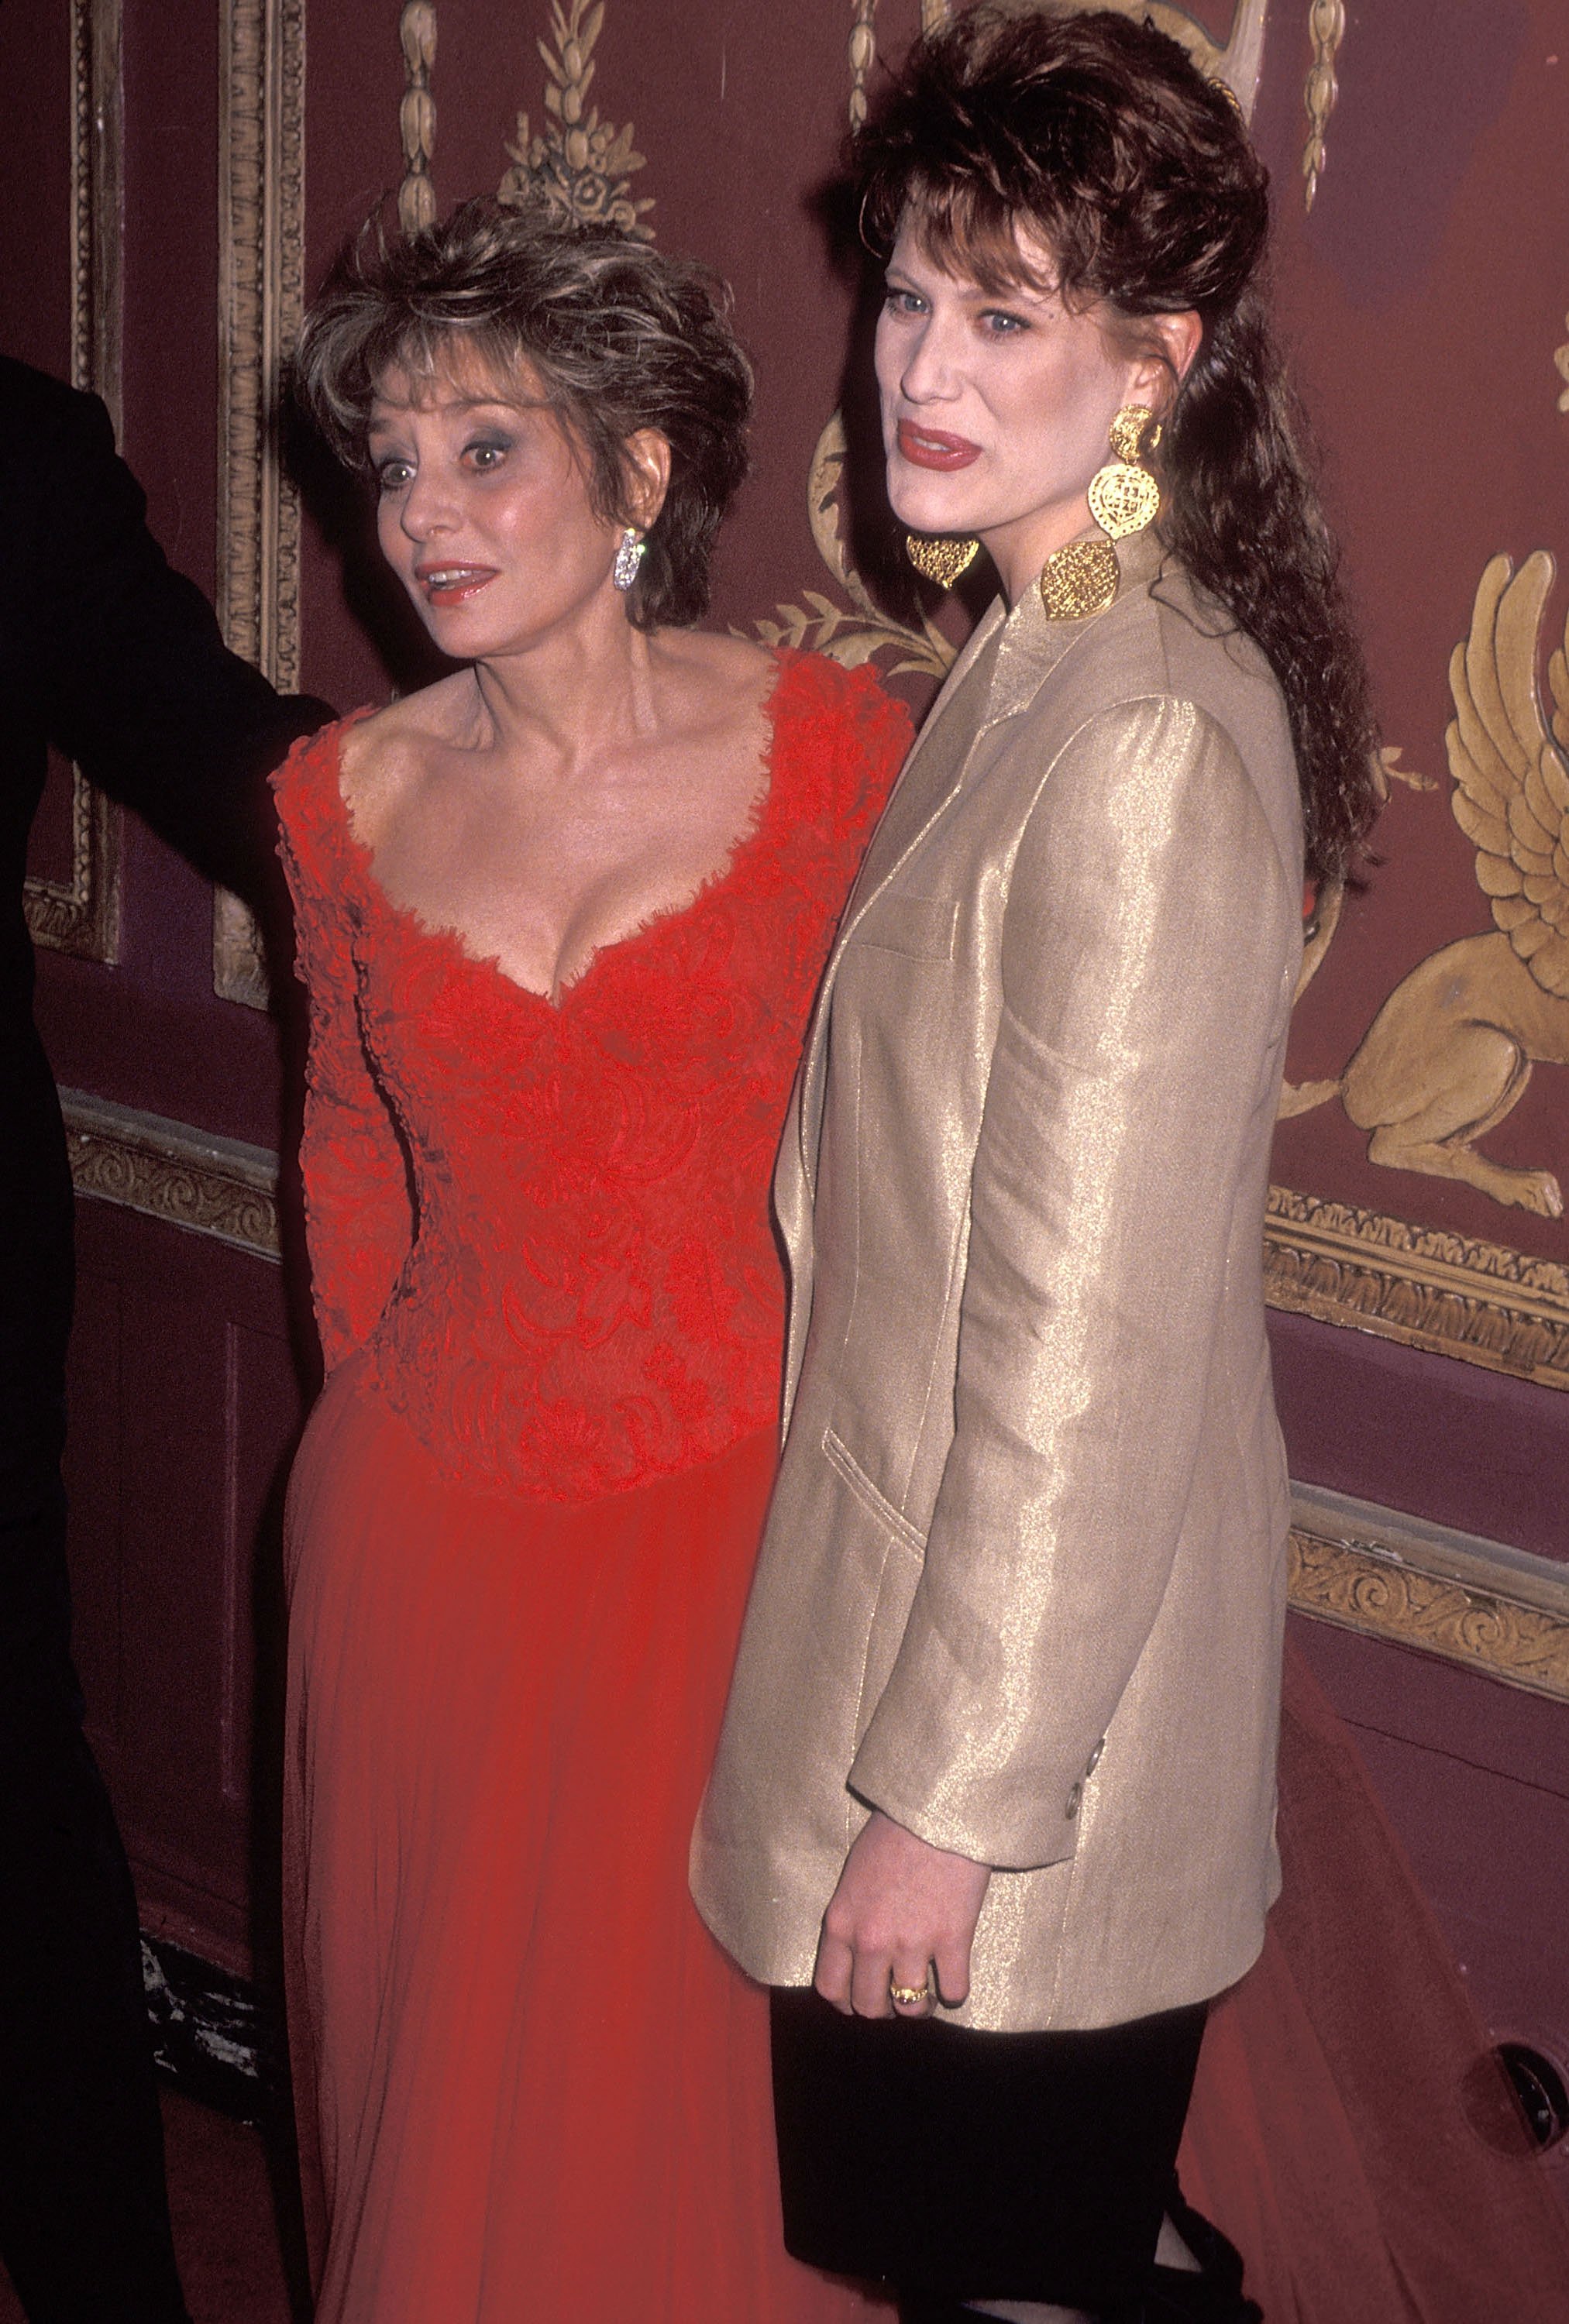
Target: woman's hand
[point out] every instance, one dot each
(902, 1911)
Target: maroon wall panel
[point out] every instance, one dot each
(1425, 293)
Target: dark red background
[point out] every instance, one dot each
(1425, 296)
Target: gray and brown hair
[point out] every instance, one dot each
(620, 336)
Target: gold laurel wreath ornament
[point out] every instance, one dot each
(1082, 577)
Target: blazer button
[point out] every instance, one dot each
(1094, 1758)
(1073, 1797)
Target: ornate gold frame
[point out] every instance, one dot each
(261, 267)
(1450, 1294)
(1495, 1611)
(81, 914)
(189, 1178)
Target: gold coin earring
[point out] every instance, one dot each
(940, 556)
(1124, 498)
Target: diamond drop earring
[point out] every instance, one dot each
(629, 556)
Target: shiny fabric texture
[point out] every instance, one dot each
(1023, 1581)
(519, 1537)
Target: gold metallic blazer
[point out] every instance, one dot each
(1022, 1583)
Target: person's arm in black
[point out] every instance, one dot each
(139, 688)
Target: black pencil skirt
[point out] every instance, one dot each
(965, 2165)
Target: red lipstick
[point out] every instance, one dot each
(933, 447)
(454, 583)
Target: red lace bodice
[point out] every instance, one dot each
(549, 1227)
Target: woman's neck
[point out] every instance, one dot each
(560, 700)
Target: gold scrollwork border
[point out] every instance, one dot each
(1436, 1595)
(261, 287)
(1450, 1294)
(1431, 1592)
(189, 1178)
(81, 914)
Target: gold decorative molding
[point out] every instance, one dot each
(1326, 29)
(864, 54)
(1453, 1047)
(80, 914)
(260, 235)
(579, 164)
(417, 116)
(97, 200)
(1450, 1294)
(1495, 1611)
(190, 1179)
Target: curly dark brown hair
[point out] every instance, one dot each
(620, 336)
(1103, 140)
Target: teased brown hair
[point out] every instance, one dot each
(622, 338)
(1104, 139)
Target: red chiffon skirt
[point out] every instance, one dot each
(529, 2084)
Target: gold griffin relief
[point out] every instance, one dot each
(1452, 1050)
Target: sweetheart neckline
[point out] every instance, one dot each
(450, 939)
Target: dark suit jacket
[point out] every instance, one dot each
(108, 654)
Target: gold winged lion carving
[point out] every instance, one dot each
(1453, 1047)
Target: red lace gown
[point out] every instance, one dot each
(522, 1526)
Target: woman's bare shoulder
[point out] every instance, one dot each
(718, 681)
(437, 716)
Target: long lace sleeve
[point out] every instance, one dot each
(358, 1211)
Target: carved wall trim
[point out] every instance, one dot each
(1496, 1611)
(1448, 1293)
(190, 1179)
(261, 268)
(863, 55)
(417, 115)
(579, 165)
(1326, 29)
(81, 913)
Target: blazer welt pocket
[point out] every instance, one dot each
(839, 1457)
(920, 927)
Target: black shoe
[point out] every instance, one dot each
(1215, 2295)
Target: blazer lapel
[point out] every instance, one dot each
(984, 687)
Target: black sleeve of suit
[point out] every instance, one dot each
(139, 688)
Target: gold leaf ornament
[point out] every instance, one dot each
(1079, 580)
(578, 165)
(940, 556)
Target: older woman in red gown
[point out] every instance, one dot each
(561, 916)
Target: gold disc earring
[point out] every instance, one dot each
(940, 556)
(1083, 577)
(1124, 497)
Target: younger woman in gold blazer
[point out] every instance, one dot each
(1000, 1741)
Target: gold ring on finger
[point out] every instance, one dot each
(908, 1995)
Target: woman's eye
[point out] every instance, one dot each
(1002, 325)
(904, 302)
(485, 455)
(391, 476)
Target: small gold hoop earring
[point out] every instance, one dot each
(940, 556)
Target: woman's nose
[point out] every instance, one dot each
(929, 371)
(427, 506)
